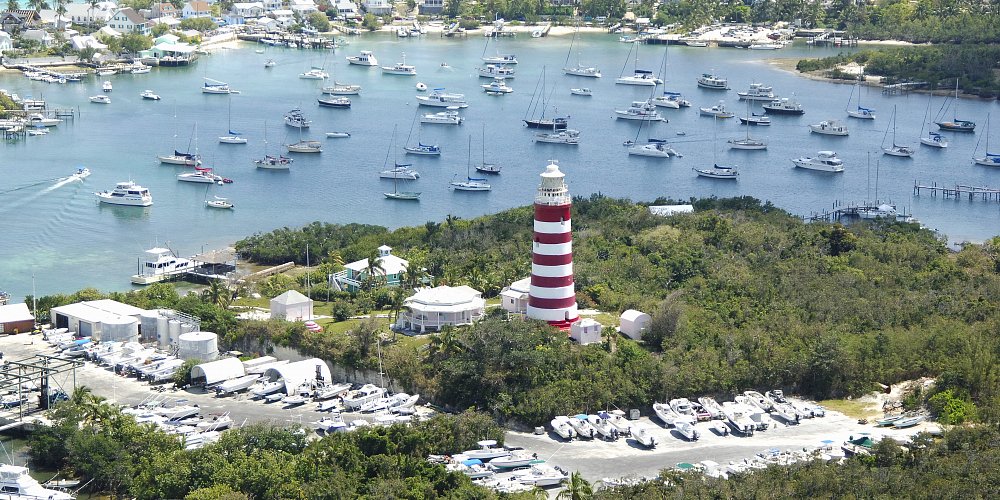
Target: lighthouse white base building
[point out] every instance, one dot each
(552, 294)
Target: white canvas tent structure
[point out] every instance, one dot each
(310, 373)
(292, 306)
(217, 371)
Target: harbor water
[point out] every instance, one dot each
(56, 231)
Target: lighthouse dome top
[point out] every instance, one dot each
(552, 190)
(552, 171)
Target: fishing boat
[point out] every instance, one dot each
(400, 68)
(757, 92)
(126, 193)
(539, 100)
(441, 99)
(861, 112)
(496, 71)
(578, 69)
(895, 149)
(955, 124)
(783, 106)
(217, 202)
(826, 161)
(365, 58)
(989, 159)
(295, 118)
(335, 102)
(470, 183)
(567, 136)
(640, 110)
(149, 95)
(314, 73)
(497, 87)
(712, 82)
(17, 483)
(717, 111)
(829, 127)
(442, 118)
(640, 77)
(562, 428)
(671, 100)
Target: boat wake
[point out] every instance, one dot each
(30, 185)
(60, 182)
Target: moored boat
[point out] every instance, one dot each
(829, 127)
(826, 161)
(365, 58)
(336, 102)
(126, 193)
(712, 82)
(783, 106)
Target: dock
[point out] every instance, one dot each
(902, 88)
(858, 210)
(959, 191)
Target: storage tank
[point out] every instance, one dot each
(174, 327)
(198, 345)
(188, 327)
(163, 331)
(147, 324)
(120, 329)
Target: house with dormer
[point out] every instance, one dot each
(196, 9)
(165, 9)
(87, 15)
(272, 5)
(14, 21)
(247, 10)
(378, 7)
(127, 20)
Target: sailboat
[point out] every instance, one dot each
(498, 58)
(187, 159)
(932, 139)
(398, 170)
(420, 148)
(555, 123)
(233, 137)
(747, 143)
(339, 88)
(956, 125)
(657, 148)
(269, 162)
(991, 159)
(861, 112)
(470, 183)
(895, 149)
(717, 171)
(579, 69)
(639, 76)
(487, 168)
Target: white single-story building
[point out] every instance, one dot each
(668, 210)
(170, 21)
(586, 331)
(346, 8)
(514, 298)
(6, 42)
(109, 31)
(292, 306)
(41, 36)
(309, 373)
(430, 309)
(633, 323)
(92, 318)
(378, 7)
(16, 318)
(80, 42)
(217, 371)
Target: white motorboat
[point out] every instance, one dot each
(270, 63)
(179, 412)
(263, 389)
(39, 120)
(328, 405)
(568, 136)
(934, 140)
(400, 171)
(420, 86)
(682, 407)
(687, 430)
(671, 100)
(514, 460)
(294, 400)
(149, 95)
(718, 111)
(216, 87)
(443, 118)
(441, 99)
(366, 393)
(81, 173)
(825, 161)
(106, 86)
(295, 118)
(16, 483)
(126, 193)
(737, 418)
(639, 110)
(365, 58)
(305, 147)
(602, 426)
(712, 82)
(40, 130)
(759, 400)
(335, 102)
(585, 91)
(655, 147)
(783, 106)
(200, 176)
(496, 71)
(500, 59)
(314, 73)
(497, 87)
(331, 391)
(338, 135)
(644, 436)
(221, 203)
(487, 450)
(400, 68)
(333, 424)
(560, 425)
(617, 420)
(100, 99)
(582, 427)
(829, 127)
(757, 92)
(342, 89)
(235, 385)
(541, 475)
(755, 119)
(138, 68)
(216, 423)
(787, 412)
(473, 468)
(666, 415)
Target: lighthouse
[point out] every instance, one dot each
(552, 296)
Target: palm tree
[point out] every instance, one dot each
(60, 12)
(374, 272)
(577, 489)
(217, 293)
(12, 5)
(38, 4)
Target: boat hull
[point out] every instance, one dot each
(783, 111)
(956, 127)
(747, 145)
(546, 124)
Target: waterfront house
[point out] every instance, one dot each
(247, 10)
(302, 7)
(127, 20)
(85, 14)
(432, 7)
(355, 274)
(16, 318)
(196, 9)
(292, 306)
(347, 8)
(13, 21)
(378, 7)
(430, 309)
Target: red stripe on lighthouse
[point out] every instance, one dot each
(552, 213)
(551, 303)
(553, 282)
(551, 260)
(549, 238)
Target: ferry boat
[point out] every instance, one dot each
(366, 58)
(161, 264)
(825, 161)
(712, 82)
(126, 193)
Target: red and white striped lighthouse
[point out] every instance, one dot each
(552, 296)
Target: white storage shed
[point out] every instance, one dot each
(309, 372)
(292, 306)
(217, 371)
(633, 323)
(586, 331)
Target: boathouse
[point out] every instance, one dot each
(16, 318)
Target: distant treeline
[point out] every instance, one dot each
(975, 65)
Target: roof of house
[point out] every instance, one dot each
(132, 15)
(390, 264)
(25, 15)
(633, 315)
(291, 297)
(94, 311)
(446, 299)
(198, 6)
(11, 313)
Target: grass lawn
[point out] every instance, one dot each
(851, 408)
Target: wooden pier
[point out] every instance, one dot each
(864, 210)
(902, 88)
(959, 191)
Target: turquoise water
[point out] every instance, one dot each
(59, 233)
